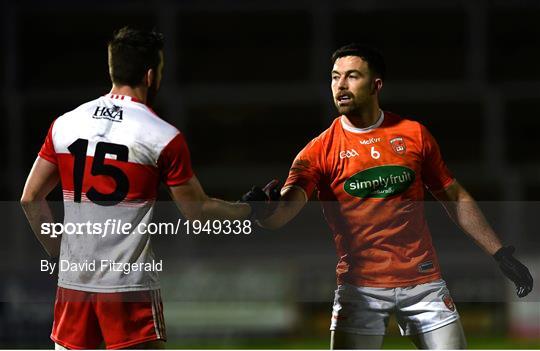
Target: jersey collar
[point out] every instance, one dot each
(123, 97)
(352, 129)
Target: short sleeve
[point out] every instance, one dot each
(47, 151)
(435, 174)
(175, 162)
(305, 171)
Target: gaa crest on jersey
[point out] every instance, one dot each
(447, 299)
(398, 145)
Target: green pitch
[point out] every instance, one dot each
(391, 342)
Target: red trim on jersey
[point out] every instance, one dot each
(143, 179)
(47, 151)
(122, 97)
(174, 162)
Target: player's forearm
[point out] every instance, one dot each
(464, 210)
(38, 212)
(282, 215)
(293, 199)
(219, 209)
(196, 205)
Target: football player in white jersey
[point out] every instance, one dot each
(110, 155)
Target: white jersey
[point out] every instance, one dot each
(111, 154)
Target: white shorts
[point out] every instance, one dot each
(418, 308)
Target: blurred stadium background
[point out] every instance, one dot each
(248, 84)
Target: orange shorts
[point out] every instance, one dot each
(88, 320)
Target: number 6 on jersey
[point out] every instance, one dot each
(374, 153)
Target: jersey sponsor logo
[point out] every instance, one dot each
(348, 154)
(380, 182)
(114, 114)
(398, 145)
(370, 141)
(447, 299)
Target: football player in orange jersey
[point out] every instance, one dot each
(370, 168)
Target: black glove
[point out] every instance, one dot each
(262, 200)
(514, 270)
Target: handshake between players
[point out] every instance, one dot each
(370, 168)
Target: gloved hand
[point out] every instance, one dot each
(514, 270)
(262, 200)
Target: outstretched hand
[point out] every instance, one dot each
(263, 200)
(514, 270)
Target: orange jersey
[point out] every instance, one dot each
(371, 185)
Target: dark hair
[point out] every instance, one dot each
(372, 56)
(132, 52)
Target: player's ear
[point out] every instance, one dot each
(149, 77)
(377, 85)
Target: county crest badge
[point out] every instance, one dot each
(398, 145)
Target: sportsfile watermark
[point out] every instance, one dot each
(122, 227)
(213, 266)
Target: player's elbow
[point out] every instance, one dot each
(27, 199)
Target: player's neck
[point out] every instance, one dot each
(364, 119)
(138, 92)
